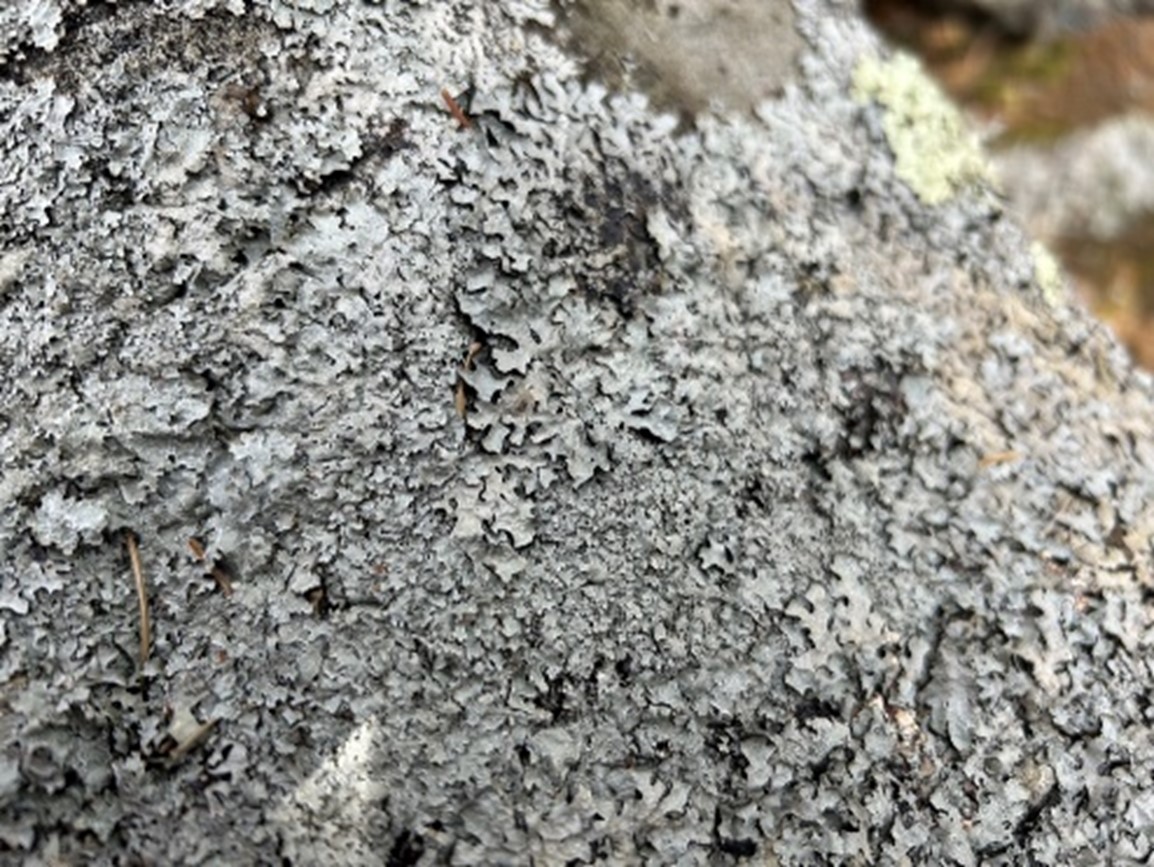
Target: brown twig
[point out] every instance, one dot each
(197, 548)
(995, 458)
(455, 109)
(460, 398)
(219, 575)
(141, 596)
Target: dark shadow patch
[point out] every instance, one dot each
(406, 850)
(145, 40)
(611, 217)
(874, 412)
(24, 61)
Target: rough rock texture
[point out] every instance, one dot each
(590, 491)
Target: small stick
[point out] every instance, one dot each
(455, 109)
(460, 399)
(197, 548)
(141, 596)
(222, 579)
(998, 458)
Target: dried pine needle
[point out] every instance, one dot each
(219, 575)
(141, 595)
(222, 579)
(455, 109)
(995, 458)
(460, 398)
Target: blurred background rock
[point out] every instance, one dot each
(1067, 91)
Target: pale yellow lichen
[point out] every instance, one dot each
(1048, 273)
(936, 152)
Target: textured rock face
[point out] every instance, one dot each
(589, 489)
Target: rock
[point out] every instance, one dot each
(596, 480)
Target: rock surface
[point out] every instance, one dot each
(590, 488)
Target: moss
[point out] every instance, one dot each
(936, 153)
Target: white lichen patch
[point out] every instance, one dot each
(936, 152)
(65, 522)
(37, 21)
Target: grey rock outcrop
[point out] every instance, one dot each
(591, 488)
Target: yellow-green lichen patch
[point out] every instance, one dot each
(1048, 274)
(936, 152)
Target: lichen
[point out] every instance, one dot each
(1048, 273)
(589, 492)
(936, 153)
